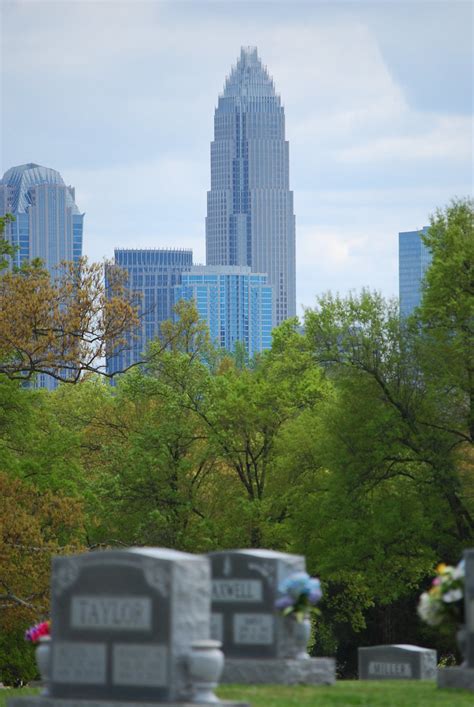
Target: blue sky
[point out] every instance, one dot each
(120, 96)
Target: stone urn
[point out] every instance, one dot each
(205, 665)
(43, 661)
(301, 632)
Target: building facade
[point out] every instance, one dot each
(235, 303)
(414, 259)
(48, 223)
(152, 275)
(250, 219)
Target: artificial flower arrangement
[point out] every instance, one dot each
(41, 630)
(299, 595)
(443, 603)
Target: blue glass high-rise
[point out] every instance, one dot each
(250, 219)
(235, 303)
(151, 275)
(48, 224)
(414, 259)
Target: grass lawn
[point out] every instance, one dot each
(385, 693)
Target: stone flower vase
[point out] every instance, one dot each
(301, 632)
(43, 661)
(205, 665)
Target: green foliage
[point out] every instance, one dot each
(350, 442)
(17, 659)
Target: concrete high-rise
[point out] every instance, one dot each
(151, 276)
(414, 258)
(48, 224)
(235, 303)
(250, 219)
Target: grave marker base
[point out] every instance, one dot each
(65, 702)
(279, 671)
(459, 677)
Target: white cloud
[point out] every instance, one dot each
(122, 94)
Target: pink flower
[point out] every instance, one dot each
(34, 633)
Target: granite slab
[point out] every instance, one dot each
(123, 623)
(462, 678)
(279, 671)
(64, 702)
(244, 590)
(397, 662)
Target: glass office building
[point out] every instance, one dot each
(48, 223)
(250, 219)
(414, 259)
(235, 303)
(152, 277)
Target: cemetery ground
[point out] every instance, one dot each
(386, 693)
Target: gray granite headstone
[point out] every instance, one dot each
(397, 662)
(244, 590)
(123, 623)
(462, 676)
(469, 605)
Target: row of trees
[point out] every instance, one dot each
(349, 442)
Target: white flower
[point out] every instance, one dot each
(452, 595)
(428, 610)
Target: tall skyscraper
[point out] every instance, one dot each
(235, 303)
(48, 224)
(250, 219)
(414, 259)
(152, 275)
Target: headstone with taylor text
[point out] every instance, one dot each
(123, 623)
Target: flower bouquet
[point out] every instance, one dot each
(443, 603)
(40, 635)
(299, 595)
(41, 630)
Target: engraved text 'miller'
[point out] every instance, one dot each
(237, 590)
(379, 667)
(111, 613)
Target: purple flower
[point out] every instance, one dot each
(283, 602)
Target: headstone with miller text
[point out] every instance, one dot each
(397, 662)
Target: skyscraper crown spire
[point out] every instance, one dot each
(248, 78)
(250, 219)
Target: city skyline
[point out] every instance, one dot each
(378, 104)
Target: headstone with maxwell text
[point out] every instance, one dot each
(258, 641)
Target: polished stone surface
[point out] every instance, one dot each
(123, 623)
(279, 671)
(458, 677)
(244, 589)
(397, 662)
(61, 702)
